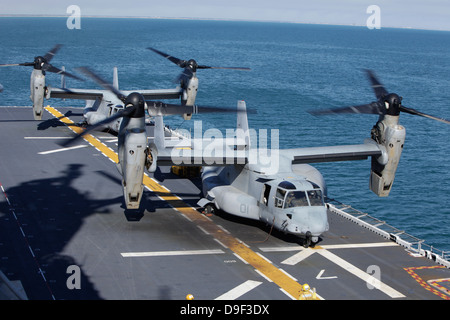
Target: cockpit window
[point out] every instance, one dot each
(279, 198)
(296, 199)
(315, 197)
(300, 199)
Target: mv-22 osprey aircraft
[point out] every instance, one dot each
(276, 186)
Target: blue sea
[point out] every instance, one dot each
(294, 68)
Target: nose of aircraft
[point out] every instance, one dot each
(313, 220)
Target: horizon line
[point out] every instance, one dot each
(22, 15)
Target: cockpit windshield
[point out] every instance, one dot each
(300, 199)
(296, 199)
(315, 197)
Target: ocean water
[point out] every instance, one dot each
(294, 68)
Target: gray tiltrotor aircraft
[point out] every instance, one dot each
(41, 64)
(133, 152)
(276, 186)
(280, 188)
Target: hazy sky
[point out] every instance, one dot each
(428, 14)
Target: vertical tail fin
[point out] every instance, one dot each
(159, 133)
(63, 78)
(242, 129)
(115, 79)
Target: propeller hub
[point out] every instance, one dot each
(137, 101)
(393, 102)
(192, 64)
(39, 62)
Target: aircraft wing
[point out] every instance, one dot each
(93, 94)
(332, 153)
(186, 156)
(158, 94)
(82, 94)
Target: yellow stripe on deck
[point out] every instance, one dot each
(88, 137)
(284, 281)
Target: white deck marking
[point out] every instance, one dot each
(64, 149)
(319, 276)
(360, 245)
(332, 246)
(324, 251)
(296, 258)
(169, 253)
(239, 290)
(360, 274)
(47, 138)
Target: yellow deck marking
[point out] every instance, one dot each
(425, 285)
(88, 137)
(285, 282)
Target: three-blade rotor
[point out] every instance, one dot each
(190, 66)
(387, 103)
(43, 63)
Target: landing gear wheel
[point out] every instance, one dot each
(210, 209)
(308, 240)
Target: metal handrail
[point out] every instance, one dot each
(389, 232)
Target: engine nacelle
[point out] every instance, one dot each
(134, 158)
(189, 95)
(390, 135)
(37, 91)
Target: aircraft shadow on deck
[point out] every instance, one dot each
(50, 212)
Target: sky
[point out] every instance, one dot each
(418, 14)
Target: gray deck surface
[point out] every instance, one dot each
(65, 208)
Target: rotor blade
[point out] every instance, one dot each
(50, 68)
(105, 84)
(177, 61)
(377, 87)
(27, 64)
(186, 73)
(232, 68)
(418, 113)
(49, 55)
(371, 108)
(119, 114)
